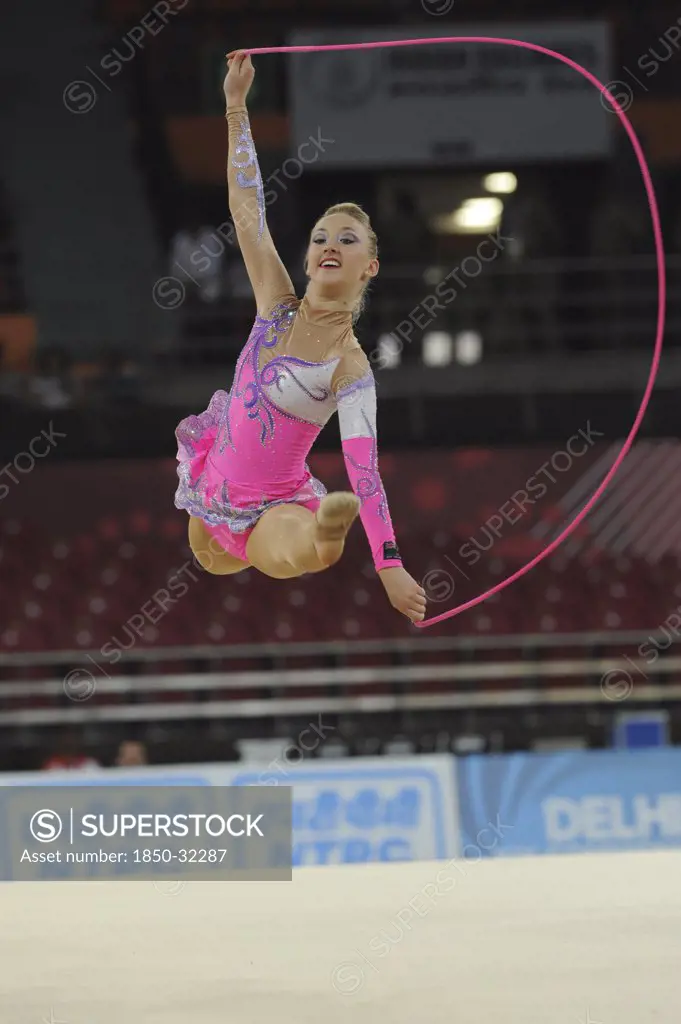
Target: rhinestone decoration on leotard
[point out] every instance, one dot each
(192, 432)
(350, 393)
(369, 485)
(267, 332)
(245, 147)
(223, 503)
(264, 331)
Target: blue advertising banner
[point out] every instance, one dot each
(572, 802)
(356, 810)
(367, 810)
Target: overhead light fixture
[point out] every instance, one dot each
(437, 348)
(468, 348)
(503, 182)
(478, 215)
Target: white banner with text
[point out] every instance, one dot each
(453, 103)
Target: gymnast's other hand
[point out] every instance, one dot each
(240, 75)
(404, 593)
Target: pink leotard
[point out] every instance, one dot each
(248, 451)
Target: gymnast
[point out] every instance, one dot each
(243, 474)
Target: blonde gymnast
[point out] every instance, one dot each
(243, 474)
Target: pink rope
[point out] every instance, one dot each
(661, 271)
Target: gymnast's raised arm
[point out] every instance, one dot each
(268, 275)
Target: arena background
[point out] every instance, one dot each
(511, 333)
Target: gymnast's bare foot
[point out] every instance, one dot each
(334, 517)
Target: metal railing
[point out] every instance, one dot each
(541, 307)
(277, 652)
(535, 308)
(206, 691)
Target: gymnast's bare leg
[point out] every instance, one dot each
(289, 540)
(209, 554)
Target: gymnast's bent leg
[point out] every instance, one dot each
(208, 552)
(289, 540)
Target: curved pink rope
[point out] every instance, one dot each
(661, 270)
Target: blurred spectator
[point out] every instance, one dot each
(68, 756)
(51, 386)
(197, 254)
(131, 754)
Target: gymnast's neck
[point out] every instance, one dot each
(319, 302)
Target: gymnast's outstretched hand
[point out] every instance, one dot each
(404, 593)
(240, 75)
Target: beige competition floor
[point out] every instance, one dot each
(554, 940)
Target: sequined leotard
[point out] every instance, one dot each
(248, 451)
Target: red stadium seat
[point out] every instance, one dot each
(130, 585)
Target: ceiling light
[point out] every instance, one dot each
(478, 215)
(468, 348)
(504, 182)
(437, 348)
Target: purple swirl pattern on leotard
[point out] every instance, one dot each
(356, 403)
(198, 435)
(350, 393)
(266, 333)
(216, 506)
(245, 148)
(367, 483)
(275, 373)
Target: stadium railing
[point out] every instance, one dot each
(533, 671)
(548, 306)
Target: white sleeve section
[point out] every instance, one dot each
(357, 408)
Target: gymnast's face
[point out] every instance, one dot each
(338, 256)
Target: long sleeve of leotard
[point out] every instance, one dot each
(268, 275)
(357, 420)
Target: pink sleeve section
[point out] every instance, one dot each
(357, 418)
(361, 462)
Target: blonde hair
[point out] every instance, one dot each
(358, 214)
